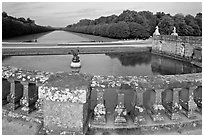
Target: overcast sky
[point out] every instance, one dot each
(62, 14)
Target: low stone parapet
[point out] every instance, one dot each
(187, 48)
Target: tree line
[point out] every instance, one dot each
(12, 26)
(139, 25)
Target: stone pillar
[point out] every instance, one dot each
(139, 110)
(99, 109)
(120, 111)
(16, 93)
(171, 103)
(198, 96)
(156, 109)
(25, 99)
(186, 99)
(39, 102)
(66, 103)
(29, 97)
(6, 86)
(183, 50)
(180, 50)
(178, 44)
(156, 44)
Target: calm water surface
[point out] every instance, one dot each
(119, 64)
(58, 37)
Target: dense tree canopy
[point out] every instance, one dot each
(139, 25)
(20, 26)
(137, 31)
(166, 25)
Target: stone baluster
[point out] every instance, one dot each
(171, 103)
(25, 99)
(157, 109)
(198, 96)
(16, 92)
(33, 94)
(120, 111)
(28, 99)
(100, 110)
(139, 110)
(39, 102)
(186, 99)
(183, 49)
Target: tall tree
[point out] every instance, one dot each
(137, 31)
(198, 19)
(126, 16)
(4, 14)
(119, 30)
(190, 21)
(149, 21)
(166, 25)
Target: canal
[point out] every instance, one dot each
(118, 64)
(58, 37)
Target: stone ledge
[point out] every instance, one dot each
(19, 124)
(151, 127)
(148, 82)
(182, 129)
(18, 74)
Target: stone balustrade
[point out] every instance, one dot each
(23, 88)
(170, 94)
(65, 99)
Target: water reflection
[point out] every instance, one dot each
(31, 37)
(118, 64)
(167, 66)
(92, 38)
(5, 57)
(132, 59)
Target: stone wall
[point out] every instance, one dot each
(186, 48)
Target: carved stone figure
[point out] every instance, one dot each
(75, 64)
(174, 32)
(156, 32)
(75, 54)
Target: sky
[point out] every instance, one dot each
(61, 14)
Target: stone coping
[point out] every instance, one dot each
(185, 39)
(19, 74)
(148, 82)
(72, 80)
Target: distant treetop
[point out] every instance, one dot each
(139, 25)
